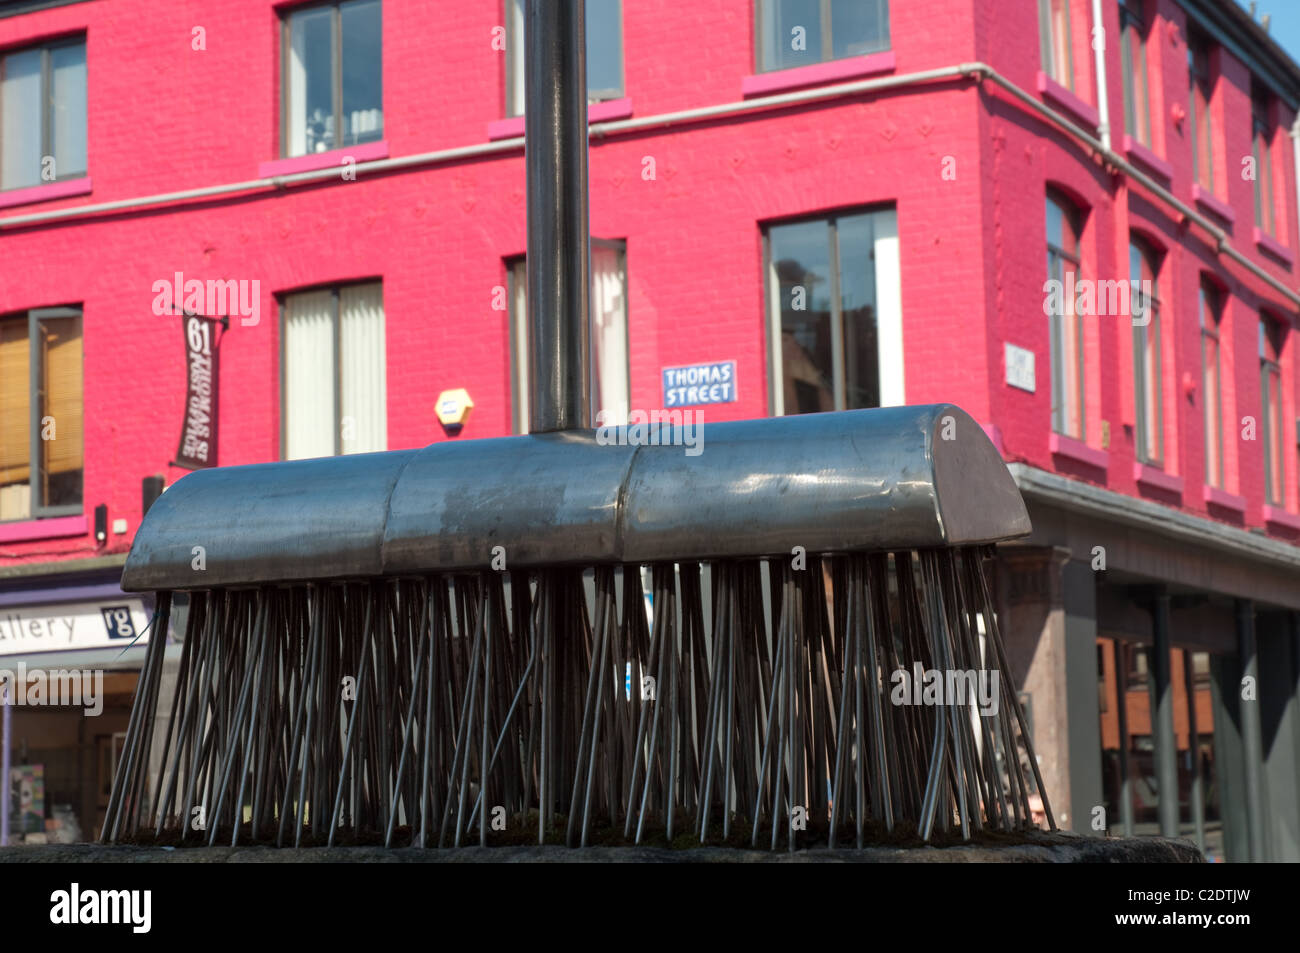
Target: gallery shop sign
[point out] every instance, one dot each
(713, 383)
(81, 625)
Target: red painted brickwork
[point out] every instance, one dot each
(164, 117)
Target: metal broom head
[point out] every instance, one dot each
(443, 640)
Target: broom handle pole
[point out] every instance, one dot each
(555, 129)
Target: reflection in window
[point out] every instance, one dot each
(802, 32)
(1210, 312)
(41, 414)
(1271, 337)
(1133, 53)
(604, 27)
(1200, 128)
(1054, 40)
(1145, 306)
(1066, 328)
(822, 276)
(333, 77)
(43, 115)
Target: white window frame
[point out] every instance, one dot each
(47, 106)
(337, 366)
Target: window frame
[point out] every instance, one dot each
(1133, 32)
(1137, 664)
(515, 62)
(1046, 43)
(1272, 341)
(37, 509)
(1072, 216)
(1261, 136)
(1200, 85)
(518, 328)
(1210, 303)
(772, 309)
(47, 108)
(336, 74)
(518, 339)
(1147, 388)
(336, 318)
(828, 41)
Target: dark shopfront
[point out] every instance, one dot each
(71, 647)
(1158, 655)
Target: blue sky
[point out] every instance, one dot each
(1285, 25)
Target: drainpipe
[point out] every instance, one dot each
(1099, 56)
(5, 735)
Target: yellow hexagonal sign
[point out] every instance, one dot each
(454, 407)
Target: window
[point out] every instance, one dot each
(832, 303)
(1145, 305)
(802, 32)
(1054, 37)
(1137, 666)
(43, 114)
(1262, 141)
(604, 26)
(610, 392)
(1210, 309)
(1198, 71)
(1066, 328)
(1270, 377)
(334, 387)
(1133, 53)
(41, 422)
(332, 77)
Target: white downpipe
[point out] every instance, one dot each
(1099, 57)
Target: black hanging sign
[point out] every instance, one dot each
(198, 448)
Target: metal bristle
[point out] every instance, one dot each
(754, 696)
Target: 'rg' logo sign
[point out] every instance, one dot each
(117, 619)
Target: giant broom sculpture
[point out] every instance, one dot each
(424, 646)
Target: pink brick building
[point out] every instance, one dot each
(823, 205)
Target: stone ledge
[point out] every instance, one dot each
(1062, 847)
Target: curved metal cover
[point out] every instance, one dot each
(858, 480)
(891, 478)
(267, 523)
(548, 499)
